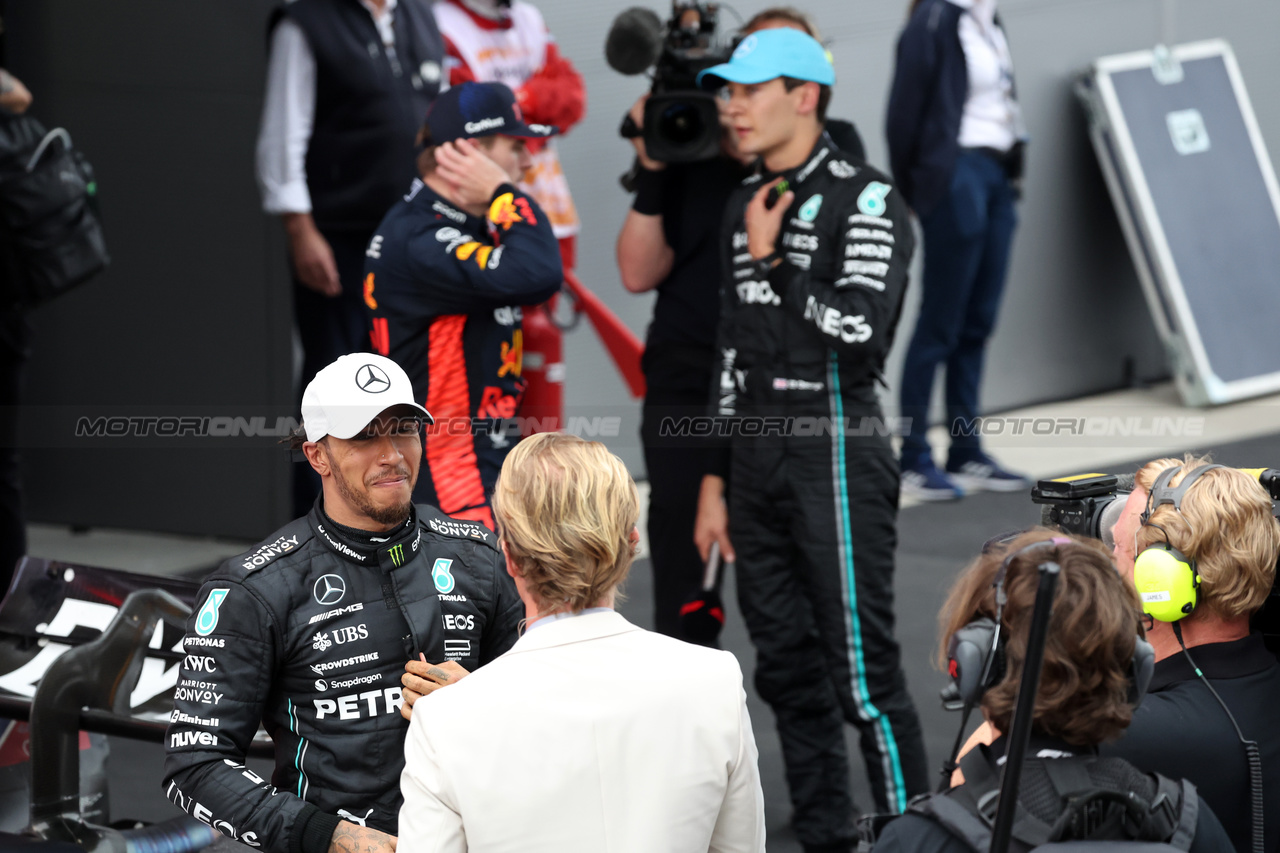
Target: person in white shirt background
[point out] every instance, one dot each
(956, 141)
(348, 85)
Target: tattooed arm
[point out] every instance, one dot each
(352, 838)
(422, 678)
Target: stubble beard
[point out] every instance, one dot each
(388, 515)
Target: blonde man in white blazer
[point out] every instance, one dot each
(590, 734)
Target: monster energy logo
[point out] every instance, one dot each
(397, 554)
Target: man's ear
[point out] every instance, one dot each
(512, 568)
(810, 92)
(318, 456)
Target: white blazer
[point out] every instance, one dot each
(589, 735)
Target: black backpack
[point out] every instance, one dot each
(50, 237)
(1078, 803)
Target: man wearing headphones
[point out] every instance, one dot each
(1092, 674)
(1200, 543)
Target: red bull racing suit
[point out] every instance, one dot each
(445, 292)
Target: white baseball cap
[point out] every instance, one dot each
(349, 394)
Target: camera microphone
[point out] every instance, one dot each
(635, 41)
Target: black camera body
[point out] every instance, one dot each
(1089, 504)
(681, 122)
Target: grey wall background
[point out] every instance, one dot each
(1073, 321)
(193, 317)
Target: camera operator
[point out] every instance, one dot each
(669, 243)
(1085, 697)
(1224, 526)
(815, 273)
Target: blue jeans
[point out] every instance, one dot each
(967, 238)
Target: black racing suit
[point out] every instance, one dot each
(813, 491)
(308, 634)
(444, 291)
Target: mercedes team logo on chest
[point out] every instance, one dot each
(372, 379)
(329, 589)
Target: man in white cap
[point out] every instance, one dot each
(309, 633)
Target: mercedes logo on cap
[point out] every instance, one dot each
(329, 589)
(372, 379)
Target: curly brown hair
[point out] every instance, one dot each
(1084, 685)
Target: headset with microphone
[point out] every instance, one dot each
(1169, 586)
(1166, 579)
(976, 654)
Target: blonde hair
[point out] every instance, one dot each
(1225, 525)
(565, 510)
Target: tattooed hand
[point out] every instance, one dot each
(353, 838)
(421, 678)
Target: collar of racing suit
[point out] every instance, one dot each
(364, 548)
(822, 149)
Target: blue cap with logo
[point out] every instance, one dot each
(767, 54)
(472, 110)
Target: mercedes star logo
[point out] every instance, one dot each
(371, 378)
(329, 589)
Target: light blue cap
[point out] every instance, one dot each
(767, 54)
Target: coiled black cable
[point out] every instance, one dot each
(1251, 751)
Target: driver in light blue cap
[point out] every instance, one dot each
(818, 248)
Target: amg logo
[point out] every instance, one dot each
(181, 739)
(329, 614)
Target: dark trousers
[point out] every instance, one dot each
(813, 522)
(329, 326)
(967, 239)
(676, 387)
(15, 335)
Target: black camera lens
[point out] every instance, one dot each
(681, 124)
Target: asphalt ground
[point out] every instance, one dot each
(934, 542)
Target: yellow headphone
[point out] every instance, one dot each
(1165, 577)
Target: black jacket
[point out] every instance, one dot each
(1179, 709)
(370, 102)
(810, 338)
(926, 103)
(309, 634)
